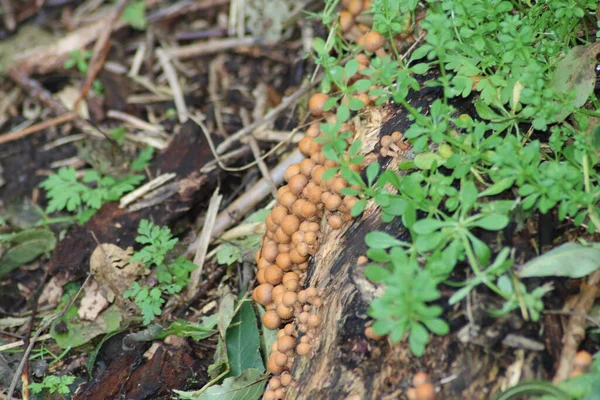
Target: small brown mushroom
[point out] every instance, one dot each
(316, 103)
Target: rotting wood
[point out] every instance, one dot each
(347, 365)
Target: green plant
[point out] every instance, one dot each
(66, 191)
(171, 276)
(54, 384)
(78, 59)
(469, 174)
(135, 14)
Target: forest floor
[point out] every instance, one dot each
(143, 148)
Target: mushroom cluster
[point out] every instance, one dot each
(292, 236)
(294, 225)
(422, 388)
(393, 145)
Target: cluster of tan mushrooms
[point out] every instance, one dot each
(293, 230)
(294, 225)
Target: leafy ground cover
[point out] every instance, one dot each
(495, 182)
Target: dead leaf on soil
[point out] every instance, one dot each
(92, 303)
(113, 275)
(52, 292)
(576, 72)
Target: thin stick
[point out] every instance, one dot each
(205, 237)
(171, 75)
(264, 170)
(9, 137)
(215, 46)
(146, 188)
(138, 59)
(287, 101)
(136, 122)
(575, 332)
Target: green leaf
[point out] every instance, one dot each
(268, 336)
(381, 240)
(228, 253)
(371, 172)
(247, 386)
(486, 112)
(243, 343)
(377, 273)
(498, 187)
(226, 309)
(576, 73)
(358, 208)
(361, 85)
(425, 160)
(135, 15)
(24, 247)
(493, 222)
(143, 159)
(81, 331)
(342, 113)
(460, 294)
(420, 69)
(417, 339)
(427, 226)
(569, 260)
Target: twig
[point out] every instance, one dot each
(101, 49)
(219, 159)
(287, 101)
(171, 75)
(232, 155)
(62, 141)
(20, 343)
(215, 46)
(213, 68)
(264, 170)
(145, 188)
(35, 337)
(136, 122)
(243, 204)
(575, 331)
(205, 236)
(138, 59)
(21, 133)
(413, 46)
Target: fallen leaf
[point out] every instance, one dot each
(110, 266)
(576, 72)
(570, 260)
(248, 385)
(92, 302)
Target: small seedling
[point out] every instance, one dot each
(172, 276)
(54, 384)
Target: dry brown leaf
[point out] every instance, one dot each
(92, 303)
(111, 268)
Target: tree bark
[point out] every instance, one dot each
(347, 365)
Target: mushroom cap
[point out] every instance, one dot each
(373, 41)
(316, 103)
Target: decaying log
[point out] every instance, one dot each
(347, 365)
